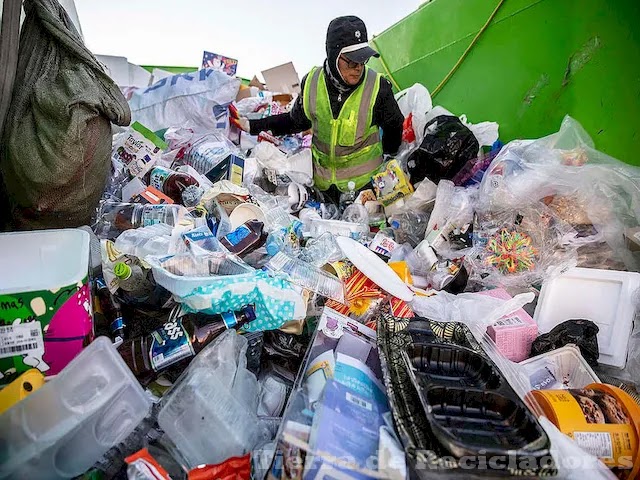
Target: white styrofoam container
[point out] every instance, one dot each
(606, 297)
(565, 365)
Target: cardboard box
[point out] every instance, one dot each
(283, 79)
(151, 196)
(232, 169)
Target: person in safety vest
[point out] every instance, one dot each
(348, 106)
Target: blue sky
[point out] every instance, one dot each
(260, 34)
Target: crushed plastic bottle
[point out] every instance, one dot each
(347, 198)
(322, 250)
(285, 239)
(409, 227)
(356, 213)
(116, 217)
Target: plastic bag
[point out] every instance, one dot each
(198, 100)
(582, 333)
(447, 145)
(276, 301)
(57, 134)
(414, 103)
(578, 182)
(485, 132)
(520, 247)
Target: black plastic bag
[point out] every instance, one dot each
(582, 333)
(447, 146)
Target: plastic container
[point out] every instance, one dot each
(62, 429)
(44, 283)
(601, 419)
(211, 413)
(606, 297)
(183, 285)
(245, 212)
(307, 276)
(561, 368)
(470, 407)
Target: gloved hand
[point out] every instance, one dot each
(242, 123)
(235, 119)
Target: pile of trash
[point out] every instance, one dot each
(474, 313)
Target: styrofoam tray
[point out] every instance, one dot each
(606, 297)
(560, 368)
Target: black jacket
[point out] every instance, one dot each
(386, 115)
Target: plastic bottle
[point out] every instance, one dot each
(246, 238)
(322, 250)
(285, 239)
(409, 226)
(115, 218)
(179, 339)
(347, 198)
(133, 280)
(170, 182)
(108, 314)
(356, 213)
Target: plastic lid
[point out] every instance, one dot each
(122, 270)
(351, 185)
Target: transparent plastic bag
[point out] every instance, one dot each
(520, 247)
(580, 183)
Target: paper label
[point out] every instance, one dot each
(383, 245)
(596, 443)
(359, 401)
(169, 345)
(238, 235)
(158, 176)
(510, 321)
(542, 379)
(21, 339)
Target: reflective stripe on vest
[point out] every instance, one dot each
(349, 147)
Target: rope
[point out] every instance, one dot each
(387, 72)
(466, 52)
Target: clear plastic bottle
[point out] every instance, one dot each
(285, 239)
(322, 250)
(133, 280)
(115, 218)
(409, 226)
(356, 213)
(347, 198)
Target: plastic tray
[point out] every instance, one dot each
(469, 405)
(64, 427)
(561, 368)
(469, 420)
(606, 297)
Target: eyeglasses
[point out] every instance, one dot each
(352, 65)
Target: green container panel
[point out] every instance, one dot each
(536, 62)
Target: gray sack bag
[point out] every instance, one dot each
(56, 143)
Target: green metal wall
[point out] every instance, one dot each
(537, 61)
